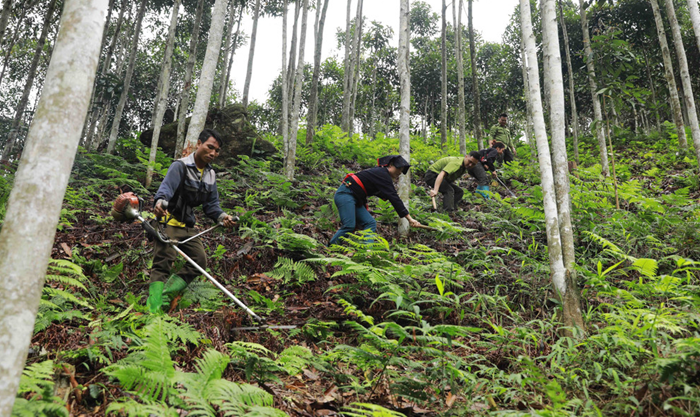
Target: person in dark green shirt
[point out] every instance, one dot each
(500, 133)
(442, 176)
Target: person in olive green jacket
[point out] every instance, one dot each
(442, 176)
(500, 133)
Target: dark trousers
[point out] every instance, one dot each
(479, 172)
(508, 156)
(164, 255)
(451, 194)
(351, 215)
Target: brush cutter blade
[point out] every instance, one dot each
(265, 327)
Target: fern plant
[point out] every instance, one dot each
(35, 396)
(57, 303)
(290, 272)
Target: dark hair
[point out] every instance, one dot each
(499, 145)
(210, 133)
(502, 115)
(475, 154)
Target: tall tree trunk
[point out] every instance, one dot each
(98, 104)
(290, 159)
(285, 93)
(443, 76)
(313, 101)
(403, 63)
(685, 77)
(127, 79)
(19, 112)
(347, 79)
(163, 90)
(460, 78)
(187, 84)
(676, 109)
(8, 49)
(357, 50)
(251, 53)
(597, 113)
(291, 67)
(556, 261)
(653, 90)
(374, 97)
(475, 81)
(571, 298)
(34, 206)
(572, 92)
(694, 18)
(4, 18)
(228, 61)
(206, 79)
(529, 135)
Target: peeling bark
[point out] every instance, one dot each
(403, 62)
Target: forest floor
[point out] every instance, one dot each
(459, 321)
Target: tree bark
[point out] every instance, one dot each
(475, 82)
(34, 205)
(290, 158)
(356, 64)
(653, 90)
(460, 78)
(251, 53)
(127, 79)
(228, 61)
(571, 298)
(443, 76)
(597, 113)
(285, 93)
(8, 49)
(347, 80)
(206, 79)
(403, 62)
(4, 18)
(556, 261)
(694, 18)
(685, 77)
(529, 134)
(291, 67)
(19, 112)
(313, 101)
(572, 92)
(163, 90)
(187, 85)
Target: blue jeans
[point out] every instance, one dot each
(351, 215)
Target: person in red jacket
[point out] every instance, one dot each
(351, 196)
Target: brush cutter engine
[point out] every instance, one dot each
(127, 207)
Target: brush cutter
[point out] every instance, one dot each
(507, 189)
(128, 207)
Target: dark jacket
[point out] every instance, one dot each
(185, 188)
(488, 157)
(377, 181)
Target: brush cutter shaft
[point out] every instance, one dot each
(215, 282)
(504, 186)
(201, 233)
(264, 327)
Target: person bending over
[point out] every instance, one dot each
(190, 182)
(351, 196)
(486, 158)
(500, 133)
(442, 176)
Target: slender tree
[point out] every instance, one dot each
(572, 92)
(347, 78)
(357, 61)
(22, 105)
(655, 102)
(228, 61)
(285, 93)
(694, 18)
(554, 246)
(251, 53)
(529, 134)
(443, 76)
(206, 79)
(460, 78)
(676, 109)
(475, 81)
(12, 41)
(403, 63)
(187, 84)
(313, 101)
(685, 76)
(597, 112)
(127, 78)
(4, 18)
(291, 67)
(161, 100)
(34, 205)
(290, 158)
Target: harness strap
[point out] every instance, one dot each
(359, 182)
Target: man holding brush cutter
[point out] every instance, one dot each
(442, 176)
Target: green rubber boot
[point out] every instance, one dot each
(174, 285)
(155, 297)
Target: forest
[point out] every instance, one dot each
(563, 283)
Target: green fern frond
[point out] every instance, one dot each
(33, 408)
(133, 408)
(36, 377)
(294, 359)
(603, 241)
(248, 347)
(174, 330)
(351, 309)
(369, 410)
(222, 391)
(55, 292)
